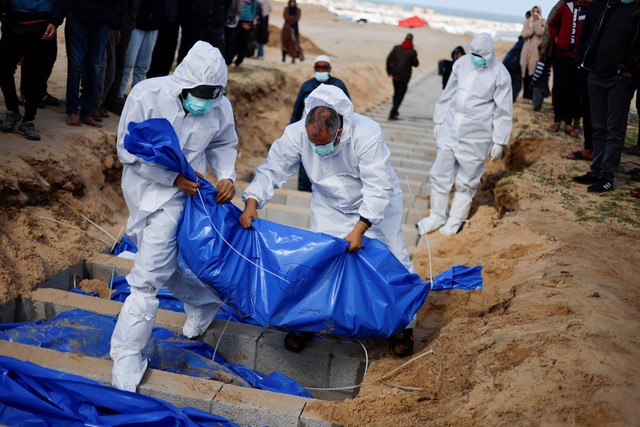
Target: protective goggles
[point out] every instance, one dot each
(206, 91)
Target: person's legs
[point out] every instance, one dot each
(112, 102)
(599, 114)
(442, 174)
(164, 51)
(76, 41)
(399, 90)
(244, 30)
(216, 38)
(538, 97)
(143, 60)
(154, 264)
(10, 54)
(91, 77)
(582, 77)
(135, 44)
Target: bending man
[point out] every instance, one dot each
(472, 120)
(356, 191)
(193, 101)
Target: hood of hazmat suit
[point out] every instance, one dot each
(207, 139)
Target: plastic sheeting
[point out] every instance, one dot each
(279, 276)
(459, 277)
(87, 333)
(31, 395)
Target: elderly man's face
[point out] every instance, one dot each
(322, 66)
(323, 138)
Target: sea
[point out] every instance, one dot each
(450, 20)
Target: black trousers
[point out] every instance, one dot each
(164, 51)
(566, 98)
(399, 90)
(36, 68)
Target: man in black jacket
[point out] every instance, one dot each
(28, 32)
(399, 63)
(613, 57)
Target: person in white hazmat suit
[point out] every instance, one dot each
(193, 101)
(356, 192)
(473, 120)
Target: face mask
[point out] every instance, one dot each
(626, 1)
(478, 61)
(323, 150)
(197, 106)
(322, 76)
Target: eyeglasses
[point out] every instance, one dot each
(322, 67)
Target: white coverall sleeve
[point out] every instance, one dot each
(503, 112)
(377, 179)
(440, 110)
(135, 112)
(282, 162)
(221, 152)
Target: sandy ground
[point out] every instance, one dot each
(551, 340)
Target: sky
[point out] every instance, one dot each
(503, 7)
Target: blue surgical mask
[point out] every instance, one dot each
(478, 61)
(324, 150)
(197, 106)
(322, 76)
(626, 1)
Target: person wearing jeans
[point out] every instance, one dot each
(86, 32)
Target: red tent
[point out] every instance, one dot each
(414, 21)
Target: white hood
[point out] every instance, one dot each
(203, 65)
(334, 97)
(482, 45)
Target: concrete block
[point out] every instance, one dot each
(102, 266)
(347, 367)
(311, 418)
(238, 344)
(65, 279)
(309, 367)
(250, 407)
(8, 312)
(180, 390)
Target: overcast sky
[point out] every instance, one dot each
(505, 7)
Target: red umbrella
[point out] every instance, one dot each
(414, 21)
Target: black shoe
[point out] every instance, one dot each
(587, 178)
(11, 120)
(28, 130)
(601, 187)
(48, 100)
(394, 118)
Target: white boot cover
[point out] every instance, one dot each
(198, 319)
(130, 336)
(437, 214)
(457, 214)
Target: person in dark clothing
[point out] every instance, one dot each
(29, 32)
(86, 31)
(445, 66)
(512, 64)
(262, 27)
(565, 30)
(237, 38)
(322, 68)
(399, 63)
(164, 51)
(540, 81)
(613, 58)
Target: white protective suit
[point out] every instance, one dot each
(155, 205)
(355, 180)
(474, 114)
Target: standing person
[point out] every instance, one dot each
(164, 51)
(399, 63)
(143, 39)
(540, 81)
(565, 29)
(356, 191)
(86, 31)
(445, 66)
(192, 100)
(237, 37)
(262, 26)
(546, 44)
(473, 119)
(322, 68)
(28, 32)
(290, 34)
(612, 60)
(512, 64)
(532, 32)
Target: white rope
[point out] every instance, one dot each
(113, 272)
(413, 359)
(366, 369)
(215, 350)
(413, 200)
(91, 222)
(234, 249)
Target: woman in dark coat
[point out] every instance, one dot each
(289, 36)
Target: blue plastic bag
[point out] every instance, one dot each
(279, 276)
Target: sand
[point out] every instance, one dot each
(551, 340)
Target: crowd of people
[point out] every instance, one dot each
(591, 50)
(112, 45)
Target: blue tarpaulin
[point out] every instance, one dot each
(459, 277)
(279, 276)
(31, 395)
(87, 333)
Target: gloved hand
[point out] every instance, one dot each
(496, 152)
(436, 131)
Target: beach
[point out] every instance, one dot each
(552, 339)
